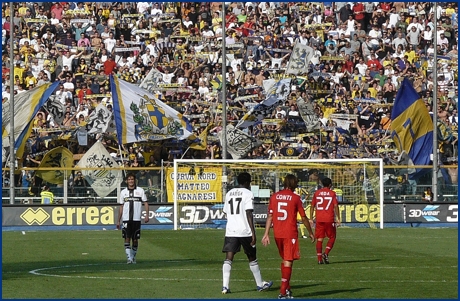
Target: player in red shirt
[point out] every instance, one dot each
(327, 219)
(282, 212)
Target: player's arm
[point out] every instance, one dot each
(312, 212)
(120, 213)
(268, 224)
(337, 214)
(306, 222)
(250, 218)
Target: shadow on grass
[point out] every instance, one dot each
(332, 292)
(276, 287)
(352, 261)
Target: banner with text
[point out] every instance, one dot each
(82, 215)
(195, 184)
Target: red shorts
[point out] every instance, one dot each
(325, 229)
(288, 248)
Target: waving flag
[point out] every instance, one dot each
(152, 80)
(26, 106)
(140, 116)
(307, 112)
(103, 178)
(202, 140)
(346, 135)
(275, 94)
(99, 120)
(299, 60)
(59, 157)
(411, 127)
(239, 144)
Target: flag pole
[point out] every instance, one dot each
(224, 103)
(435, 106)
(224, 87)
(12, 152)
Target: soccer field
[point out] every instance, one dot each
(398, 263)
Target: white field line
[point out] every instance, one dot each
(42, 272)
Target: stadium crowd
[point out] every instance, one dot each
(362, 52)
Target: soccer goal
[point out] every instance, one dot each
(198, 187)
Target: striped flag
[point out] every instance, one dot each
(26, 106)
(411, 127)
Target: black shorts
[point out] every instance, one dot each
(131, 229)
(233, 244)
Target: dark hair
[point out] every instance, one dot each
(130, 174)
(326, 182)
(290, 182)
(244, 178)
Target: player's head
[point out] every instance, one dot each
(326, 182)
(290, 182)
(130, 176)
(244, 178)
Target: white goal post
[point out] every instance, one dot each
(199, 189)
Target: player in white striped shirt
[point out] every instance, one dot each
(131, 200)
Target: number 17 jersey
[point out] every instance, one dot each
(237, 201)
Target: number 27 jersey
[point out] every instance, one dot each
(324, 201)
(237, 201)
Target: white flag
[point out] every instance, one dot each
(104, 179)
(99, 119)
(239, 144)
(300, 58)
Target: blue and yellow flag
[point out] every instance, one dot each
(59, 157)
(201, 141)
(411, 127)
(140, 116)
(26, 106)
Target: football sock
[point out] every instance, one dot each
(128, 250)
(255, 269)
(226, 269)
(329, 245)
(285, 278)
(319, 250)
(134, 251)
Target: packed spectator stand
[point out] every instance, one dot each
(362, 52)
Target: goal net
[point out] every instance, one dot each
(199, 188)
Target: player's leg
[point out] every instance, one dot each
(251, 253)
(319, 234)
(331, 233)
(135, 238)
(289, 253)
(231, 247)
(126, 234)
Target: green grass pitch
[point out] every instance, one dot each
(419, 263)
